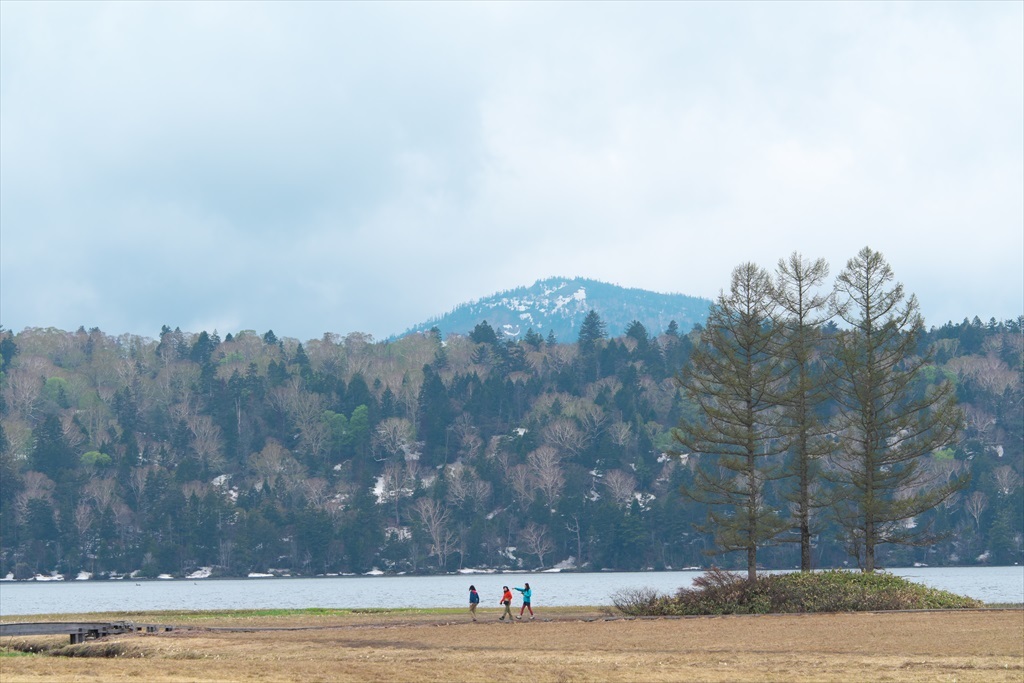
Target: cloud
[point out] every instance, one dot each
(340, 167)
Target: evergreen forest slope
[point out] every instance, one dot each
(432, 452)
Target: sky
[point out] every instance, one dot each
(361, 167)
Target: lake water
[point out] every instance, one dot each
(990, 584)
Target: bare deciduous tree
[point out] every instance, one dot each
(592, 419)
(123, 517)
(566, 435)
(198, 489)
(573, 527)
(621, 486)
(326, 355)
(206, 441)
(23, 387)
(989, 373)
(34, 485)
(546, 471)
(460, 484)
(305, 409)
(979, 421)
(621, 433)
(481, 493)
(393, 437)
(975, 505)
(19, 441)
(70, 431)
(1007, 479)
(536, 540)
(82, 518)
(274, 465)
(317, 492)
(522, 484)
(434, 517)
(398, 481)
(100, 491)
(137, 483)
(468, 436)
(951, 502)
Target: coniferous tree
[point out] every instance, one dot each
(592, 332)
(10, 483)
(51, 454)
(8, 348)
(731, 377)
(802, 313)
(435, 417)
(533, 339)
(484, 334)
(885, 427)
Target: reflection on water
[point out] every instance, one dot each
(990, 584)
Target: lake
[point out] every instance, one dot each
(990, 584)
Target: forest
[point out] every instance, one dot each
(253, 453)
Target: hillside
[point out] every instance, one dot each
(559, 305)
(242, 454)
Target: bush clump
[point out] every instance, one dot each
(722, 592)
(639, 601)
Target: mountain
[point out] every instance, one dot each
(559, 305)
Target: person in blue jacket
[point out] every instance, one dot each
(527, 595)
(474, 600)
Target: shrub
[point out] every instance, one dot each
(638, 602)
(846, 591)
(722, 592)
(715, 592)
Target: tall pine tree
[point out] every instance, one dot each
(803, 310)
(732, 377)
(885, 427)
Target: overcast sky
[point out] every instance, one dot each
(342, 167)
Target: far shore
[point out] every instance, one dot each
(205, 574)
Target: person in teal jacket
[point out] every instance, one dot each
(527, 595)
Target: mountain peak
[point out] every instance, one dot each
(559, 304)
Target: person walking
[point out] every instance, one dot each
(506, 600)
(527, 594)
(474, 600)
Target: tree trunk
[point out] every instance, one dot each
(805, 516)
(869, 547)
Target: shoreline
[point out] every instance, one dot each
(269, 620)
(61, 578)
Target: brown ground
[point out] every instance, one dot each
(561, 646)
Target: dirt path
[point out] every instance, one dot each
(922, 646)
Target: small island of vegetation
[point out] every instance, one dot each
(722, 592)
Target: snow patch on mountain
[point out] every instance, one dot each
(559, 305)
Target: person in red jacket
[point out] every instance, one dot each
(506, 599)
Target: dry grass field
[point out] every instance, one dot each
(562, 645)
